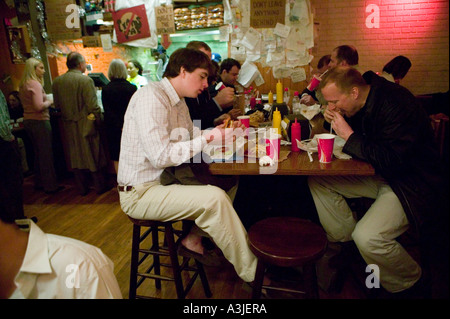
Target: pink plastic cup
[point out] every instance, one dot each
(273, 143)
(244, 119)
(314, 83)
(325, 144)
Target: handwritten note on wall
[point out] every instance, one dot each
(164, 19)
(267, 13)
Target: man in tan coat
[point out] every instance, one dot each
(75, 94)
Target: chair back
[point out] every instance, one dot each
(439, 123)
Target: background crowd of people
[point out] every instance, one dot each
(155, 183)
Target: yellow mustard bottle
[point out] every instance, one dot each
(276, 120)
(279, 92)
(270, 98)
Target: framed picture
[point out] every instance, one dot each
(19, 43)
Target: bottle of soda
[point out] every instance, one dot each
(296, 104)
(286, 96)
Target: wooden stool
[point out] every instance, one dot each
(156, 250)
(287, 242)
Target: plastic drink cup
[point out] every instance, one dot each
(325, 144)
(314, 83)
(273, 143)
(244, 119)
(220, 86)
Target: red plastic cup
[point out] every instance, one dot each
(273, 144)
(220, 86)
(244, 119)
(325, 144)
(314, 83)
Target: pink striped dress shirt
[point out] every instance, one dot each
(157, 133)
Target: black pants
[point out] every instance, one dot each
(11, 185)
(99, 180)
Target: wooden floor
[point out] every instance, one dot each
(99, 220)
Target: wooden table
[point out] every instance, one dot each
(297, 163)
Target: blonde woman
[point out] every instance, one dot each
(36, 121)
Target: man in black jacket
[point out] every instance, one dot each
(382, 124)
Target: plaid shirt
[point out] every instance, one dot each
(5, 128)
(157, 133)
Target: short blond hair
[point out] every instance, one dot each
(344, 77)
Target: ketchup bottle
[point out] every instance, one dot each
(295, 135)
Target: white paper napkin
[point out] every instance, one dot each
(309, 111)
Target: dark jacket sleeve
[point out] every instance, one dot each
(312, 93)
(389, 130)
(204, 110)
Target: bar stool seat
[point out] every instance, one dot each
(139, 254)
(287, 242)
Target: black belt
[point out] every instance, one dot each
(124, 188)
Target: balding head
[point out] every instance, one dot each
(76, 61)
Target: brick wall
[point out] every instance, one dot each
(94, 55)
(417, 29)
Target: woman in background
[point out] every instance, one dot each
(115, 98)
(396, 69)
(15, 107)
(36, 120)
(135, 74)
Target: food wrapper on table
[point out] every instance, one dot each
(225, 152)
(267, 161)
(256, 118)
(309, 111)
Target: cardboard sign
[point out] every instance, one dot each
(131, 24)
(267, 13)
(164, 19)
(91, 41)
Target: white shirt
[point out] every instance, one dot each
(57, 267)
(157, 133)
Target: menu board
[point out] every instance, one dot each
(62, 25)
(267, 13)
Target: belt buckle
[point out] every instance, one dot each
(126, 188)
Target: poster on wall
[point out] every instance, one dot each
(131, 24)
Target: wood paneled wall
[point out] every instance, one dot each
(270, 82)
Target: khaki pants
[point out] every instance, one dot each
(208, 206)
(375, 234)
